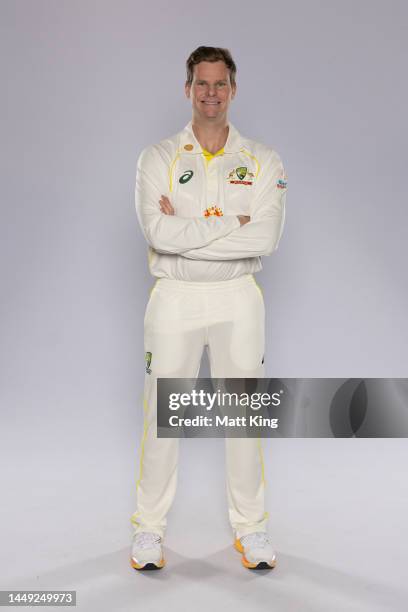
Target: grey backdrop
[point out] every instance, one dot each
(85, 86)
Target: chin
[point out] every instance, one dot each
(212, 111)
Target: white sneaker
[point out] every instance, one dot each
(147, 553)
(257, 551)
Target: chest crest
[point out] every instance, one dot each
(241, 176)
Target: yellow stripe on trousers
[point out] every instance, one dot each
(145, 429)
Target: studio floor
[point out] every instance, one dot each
(337, 517)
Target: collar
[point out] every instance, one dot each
(187, 138)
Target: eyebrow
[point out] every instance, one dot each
(219, 81)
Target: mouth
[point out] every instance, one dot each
(210, 103)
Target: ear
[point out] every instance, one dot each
(234, 90)
(187, 89)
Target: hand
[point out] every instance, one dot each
(165, 206)
(243, 219)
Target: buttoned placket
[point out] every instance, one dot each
(213, 171)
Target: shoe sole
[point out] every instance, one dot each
(255, 566)
(147, 566)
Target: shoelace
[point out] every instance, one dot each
(146, 539)
(259, 539)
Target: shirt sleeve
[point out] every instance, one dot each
(262, 234)
(170, 233)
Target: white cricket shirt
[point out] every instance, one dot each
(203, 240)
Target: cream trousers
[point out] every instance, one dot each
(182, 317)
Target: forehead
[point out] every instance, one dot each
(211, 71)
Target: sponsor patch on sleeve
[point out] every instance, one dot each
(282, 181)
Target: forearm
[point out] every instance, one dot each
(254, 239)
(176, 235)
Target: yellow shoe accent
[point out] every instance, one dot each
(238, 546)
(147, 566)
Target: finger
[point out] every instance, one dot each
(167, 201)
(165, 206)
(168, 207)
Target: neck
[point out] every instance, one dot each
(211, 135)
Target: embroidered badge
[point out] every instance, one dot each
(241, 176)
(282, 183)
(186, 176)
(148, 359)
(213, 210)
(241, 172)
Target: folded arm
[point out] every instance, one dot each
(169, 233)
(262, 234)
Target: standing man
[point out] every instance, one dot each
(210, 203)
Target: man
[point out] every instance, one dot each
(210, 203)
